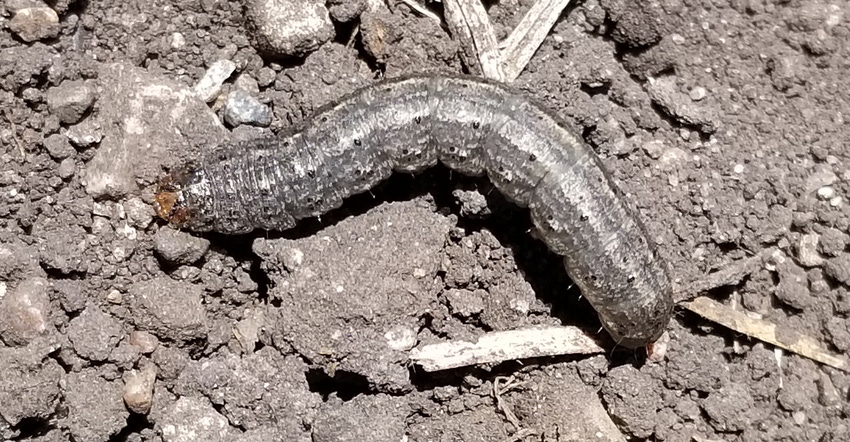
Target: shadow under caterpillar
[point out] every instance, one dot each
(473, 126)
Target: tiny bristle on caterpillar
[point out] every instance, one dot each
(471, 125)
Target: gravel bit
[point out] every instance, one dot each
(242, 108)
(210, 84)
(178, 247)
(70, 101)
(289, 27)
(24, 313)
(37, 23)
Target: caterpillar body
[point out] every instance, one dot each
(473, 126)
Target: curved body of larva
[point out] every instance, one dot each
(473, 126)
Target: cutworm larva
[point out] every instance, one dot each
(473, 126)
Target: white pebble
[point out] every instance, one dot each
(210, 85)
(698, 93)
(739, 168)
(826, 193)
(177, 40)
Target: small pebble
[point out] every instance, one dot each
(838, 268)
(698, 93)
(66, 168)
(807, 254)
(289, 27)
(739, 168)
(677, 38)
(32, 24)
(177, 40)
(24, 313)
(179, 247)
(401, 338)
(832, 242)
(266, 76)
(242, 108)
(58, 147)
(139, 213)
(465, 303)
(209, 86)
(826, 193)
(144, 341)
(70, 100)
(138, 389)
(821, 178)
(114, 297)
(86, 134)
(247, 83)
(654, 149)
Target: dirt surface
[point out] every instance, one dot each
(725, 122)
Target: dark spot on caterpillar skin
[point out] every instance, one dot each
(409, 124)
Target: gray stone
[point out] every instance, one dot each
(149, 122)
(838, 268)
(138, 389)
(242, 108)
(70, 100)
(346, 10)
(289, 27)
(25, 312)
(832, 242)
(807, 253)
(193, 419)
(37, 23)
(343, 421)
(64, 249)
(66, 168)
(29, 383)
(58, 147)
(85, 134)
(13, 6)
(169, 309)
(209, 86)
(247, 83)
(664, 93)
(144, 341)
(95, 408)
(728, 408)
(94, 334)
(235, 381)
(139, 213)
(466, 303)
(266, 76)
(179, 247)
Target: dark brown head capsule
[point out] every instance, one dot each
(169, 201)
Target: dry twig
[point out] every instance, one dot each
(470, 25)
(505, 346)
(529, 34)
(765, 331)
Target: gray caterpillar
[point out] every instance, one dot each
(473, 126)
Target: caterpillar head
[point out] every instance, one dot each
(170, 201)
